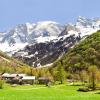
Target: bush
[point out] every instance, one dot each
(1, 84)
(84, 89)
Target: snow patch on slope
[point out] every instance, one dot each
(11, 49)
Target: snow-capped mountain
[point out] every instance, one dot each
(88, 23)
(87, 26)
(42, 43)
(24, 34)
(41, 54)
(83, 26)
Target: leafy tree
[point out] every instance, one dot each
(61, 74)
(1, 84)
(93, 75)
(84, 76)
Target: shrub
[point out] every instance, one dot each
(84, 89)
(1, 84)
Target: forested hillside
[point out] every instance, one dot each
(84, 54)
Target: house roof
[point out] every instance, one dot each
(24, 77)
(43, 78)
(5, 75)
(28, 78)
(13, 75)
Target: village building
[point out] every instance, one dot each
(44, 80)
(28, 79)
(18, 78)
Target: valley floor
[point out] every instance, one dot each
(59, 92)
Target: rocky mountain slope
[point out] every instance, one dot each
(41, 54)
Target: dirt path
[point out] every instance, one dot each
(5, 59)
(30, 88)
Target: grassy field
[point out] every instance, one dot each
(59, 92)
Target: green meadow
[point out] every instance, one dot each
(40, 92)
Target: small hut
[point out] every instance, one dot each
(44, 80)
(28, 79)
(18, 78)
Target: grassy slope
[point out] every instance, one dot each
(60, 92)
(9, 64)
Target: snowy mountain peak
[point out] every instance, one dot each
(88, 23)
(29, 33)
(47, 22)
(84, 22)
(81, 18)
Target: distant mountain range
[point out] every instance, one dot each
(42, 43)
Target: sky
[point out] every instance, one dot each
(13, 12)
